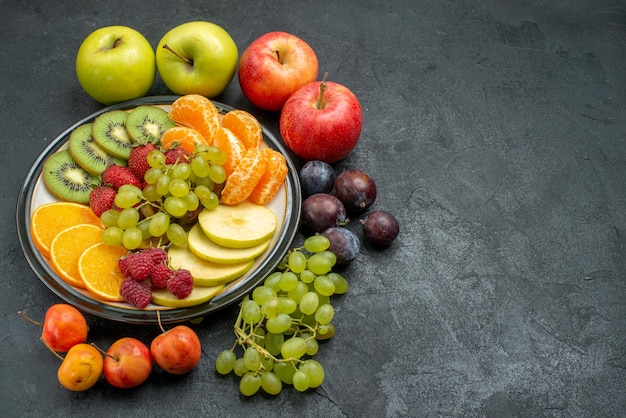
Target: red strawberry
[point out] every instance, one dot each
(116, 176)
(101, 199)
(137, 162)
(176, 154)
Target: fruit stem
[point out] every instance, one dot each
(159, 321)
(32, 321)
(277, 54)
(320, 99)
(187, 60)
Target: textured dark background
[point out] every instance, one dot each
(495, 133)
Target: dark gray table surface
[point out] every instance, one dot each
(496, 134)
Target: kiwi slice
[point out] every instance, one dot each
(109, 132)
(88, 153)
(147, 124)
(67, 180)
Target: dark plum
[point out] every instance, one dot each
(321, 211)
(380, 228)
(343, 243)
(355, 189)
(316, 177)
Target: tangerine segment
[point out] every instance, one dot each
(228, 142)
(274, 176)
(245, 126)
(197, 112)
(68, 246)
(242, 181)
(51, 218)
(182, 136)
(99, 269)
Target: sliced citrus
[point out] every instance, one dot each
(182, 136)
(274, 176)
(51, 218)
(99, 269)
(68, 246)
(245, 126)
(228, 142)
(198, 112)
(244, 178)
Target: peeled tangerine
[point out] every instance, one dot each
(81, 368)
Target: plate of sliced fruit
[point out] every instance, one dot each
(165, 208)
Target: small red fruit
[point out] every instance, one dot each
(63, 327)
(138, 160)
(81, 368)
(128, 363)
(116, 176)
(101, 199)
(177, 350)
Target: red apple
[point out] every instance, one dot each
(321, 121)
(127, 363)
(273, 67)
(177, 350)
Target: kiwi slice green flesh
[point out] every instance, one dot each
(147, 124)
(87, 153)
(67, 180)
(109, 132)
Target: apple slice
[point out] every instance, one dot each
(243, 225)
(204, 272)
(198, 295)
(203, 247)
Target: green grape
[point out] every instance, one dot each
(271, 307)
(250, 312)
(314, 371)
(288, 281)
(217, 174)
(178, 187)
(324, 286)
(287, 305)
(225, 362)
(181, 171)
(271, 384)
(211, 201)
(132, 237)
(273, 342)
(175, 206)
(307, 276)
(312, 347)
(252, 359)
(112, 236)
(262, 294)
(340, 282)
(309, 303)
(300, 381)
(259, 338)
(285, 371)
(249, 384)
(150, 193)
(163, 184)
(239, 367)
(201, 149)
(216, 155)
(109, 218)
(293, 348)
(267, 363)
(332, 258)
(323, 299)
(325, 332)
(128, 218)
(144, 227)
(204, 181)
(316, 243)
(176, 234)
(319, 264)
(129, 188)
(272, 281)
(279, 324)
(325, 314)
(296, 262)
(191, 201)
(152, 175)
(199, 166)
(159, 223)
(155, 158)
(127, 199)
(297, 292)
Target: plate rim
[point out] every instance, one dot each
(72, 296)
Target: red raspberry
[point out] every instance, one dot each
(176, 155)
(136, 293)
(160, 275)
(180, 284)
(158, 254)
(140, 266)
(117, 176)
(101, 199)
(124, 262)
(138, 160)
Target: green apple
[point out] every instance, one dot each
(203, 247)
(197, 58)
(198, 295)
(115, 64)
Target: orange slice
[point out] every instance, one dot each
(197, 112)
(99, 270)
(245, 126)
(182, 136)
(49, 219)
(68, 246)
(228, 142)
(242, 181)
(273, 177)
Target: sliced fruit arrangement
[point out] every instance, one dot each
(190, 182)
